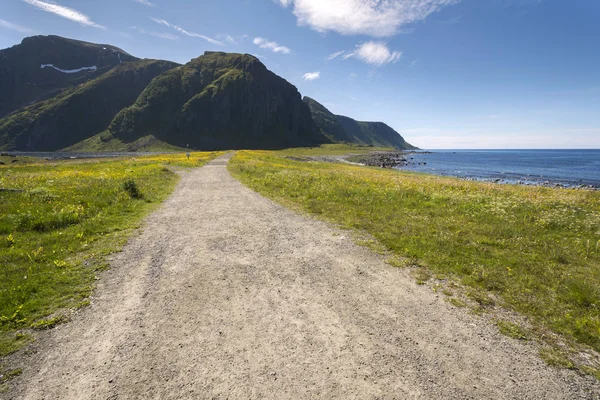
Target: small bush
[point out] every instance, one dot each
(10, 241)
(132, 189)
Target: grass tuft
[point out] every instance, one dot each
(7, 375)
(457, 302)
(49, 323)
(132, 189)
(556, 357)
(512, 330)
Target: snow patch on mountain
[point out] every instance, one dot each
(70, 71)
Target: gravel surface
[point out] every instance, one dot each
(226, 295)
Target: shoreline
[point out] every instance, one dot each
(403, 161)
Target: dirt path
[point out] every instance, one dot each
(226, 295)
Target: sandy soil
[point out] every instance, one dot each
(226, 295)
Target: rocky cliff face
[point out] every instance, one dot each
(339, 128)
(78, 113)
(65, 62)
(220, 101)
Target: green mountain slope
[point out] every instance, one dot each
(220, 101)
(59, 93)
(41, 66)
(339, 128)
(326, 122)
(80, 112)
(105, 142)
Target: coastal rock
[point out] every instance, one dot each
(381, 159)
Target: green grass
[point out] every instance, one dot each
(512, 330)
(533, 250)
(55, 231)
(7, 375)
(332, 150)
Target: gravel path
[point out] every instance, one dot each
(226, 295)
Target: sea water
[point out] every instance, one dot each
(570, 168)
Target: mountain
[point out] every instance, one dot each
(64, 94)
(80, 112)
(220, 101)
(374, 134)
(326, 122)
(41, 66)
(339, 128)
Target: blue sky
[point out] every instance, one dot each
(443, 73)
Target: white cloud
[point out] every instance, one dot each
(64, 12)
(451, 21)
(335, 55)
(374, 53)
(228, 38)
(162, 35)
(145, 2)
(273, 46)
(379, 18)
(183, 31)
(311, 76)
(373, 74)
(15, 27)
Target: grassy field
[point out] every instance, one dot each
(332, 150)
(532, 250)
(57, 222)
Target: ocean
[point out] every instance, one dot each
(569, 168)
